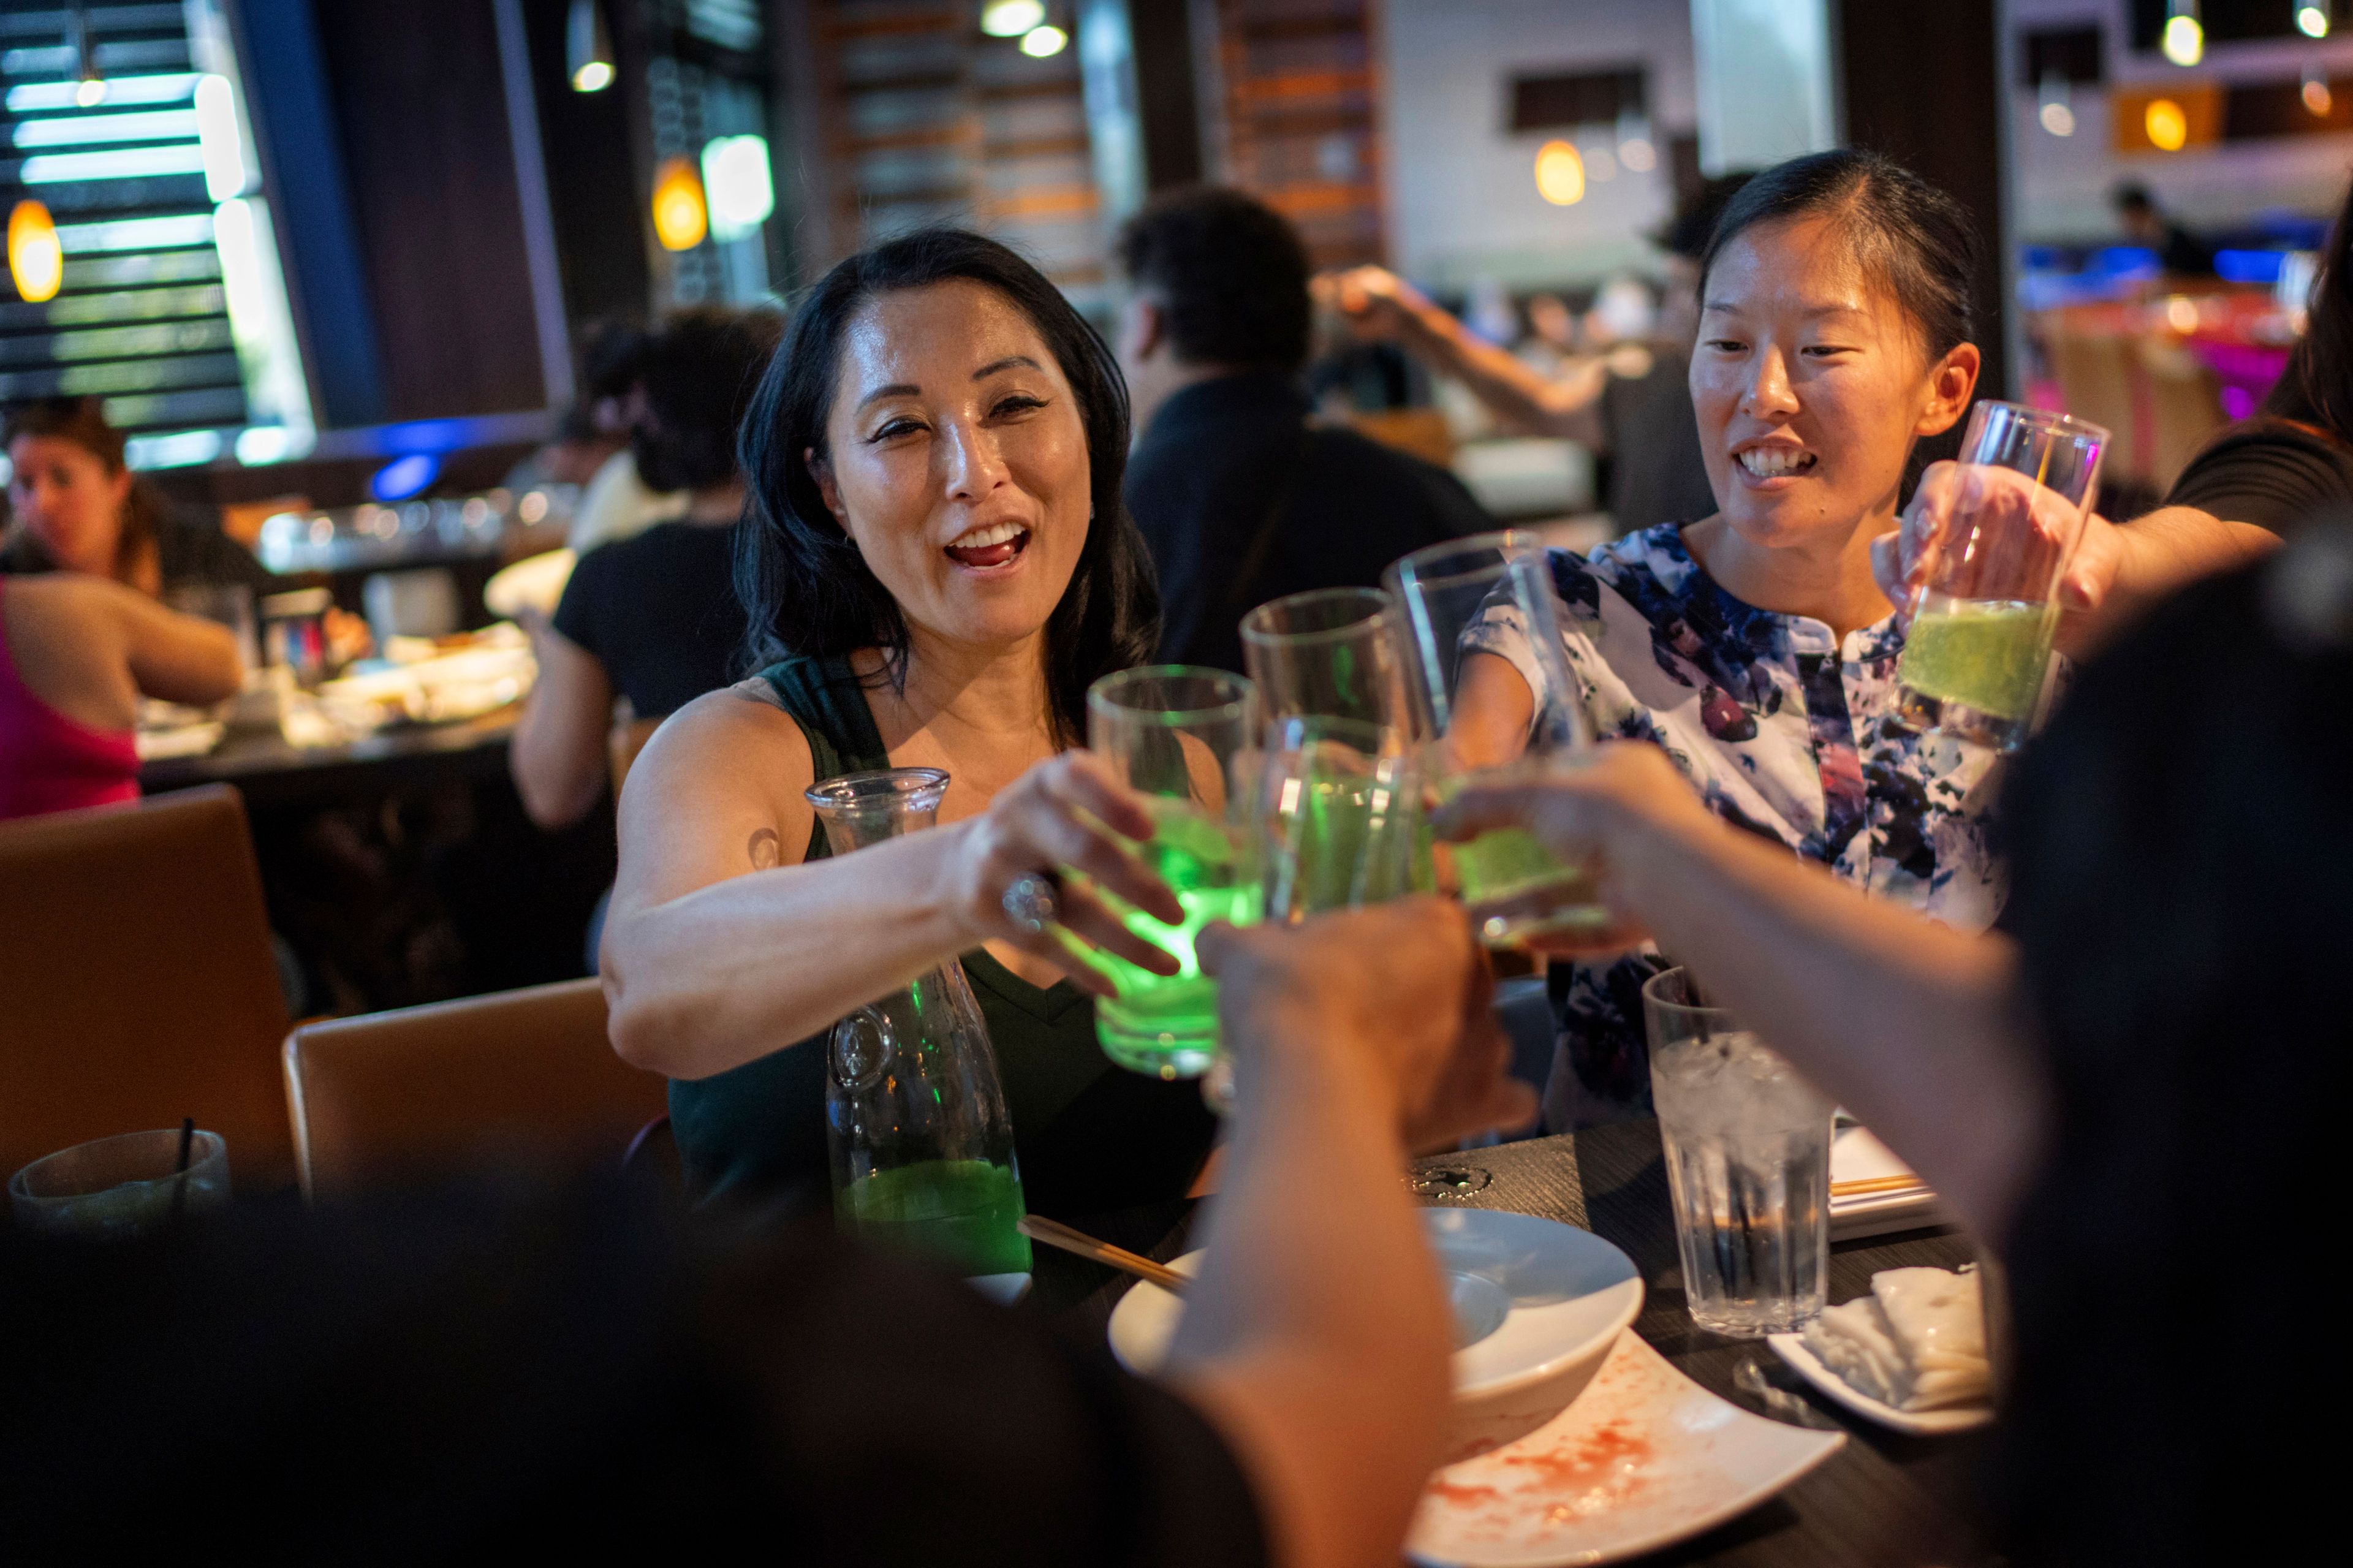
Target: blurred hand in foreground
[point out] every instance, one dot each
(2029, 521)
(1397, 991)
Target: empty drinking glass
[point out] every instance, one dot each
(1175, 734)
(1748, 1165)
(1988, 604)
(115, 1188)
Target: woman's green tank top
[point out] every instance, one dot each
(1092, 1136)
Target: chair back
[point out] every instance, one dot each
(518, 1078)
(136, 983)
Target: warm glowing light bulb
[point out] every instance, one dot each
(36, 260)
(2167, 127)
(89, 92)
(681, 216)
(1560, 174)
(1039, 42)
(2316, 96)
(594, 77)
(2057, 118)
(2184, 41)
(2312, 21)
(1637, 154)
(1010, 18)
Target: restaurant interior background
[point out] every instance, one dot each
(329, 263)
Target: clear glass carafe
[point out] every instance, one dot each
(916, 1123)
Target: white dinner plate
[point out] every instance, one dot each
(1791, 1348)
(1643, 1458)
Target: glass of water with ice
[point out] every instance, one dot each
(1748, 1162)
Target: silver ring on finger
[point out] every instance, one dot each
(1032, 902)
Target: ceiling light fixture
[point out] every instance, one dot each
(1560, 174)
(37, 261)
(681, 217)
(1043, 40)
(90, 84)
(1010, 18)
(2312, 21)
(2184, 40)
(588, 49)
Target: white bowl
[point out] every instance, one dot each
(1570, 1295)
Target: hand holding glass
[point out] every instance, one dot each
(1174, 734)
(1480, 630)
(1985, 603)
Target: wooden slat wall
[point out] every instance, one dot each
(1298, 96)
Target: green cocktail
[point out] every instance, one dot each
(964, 1215)
(1521, 895)
(1339, 823)
(1988, 656)
(1164, 1025)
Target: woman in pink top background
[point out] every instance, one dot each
(77, 653)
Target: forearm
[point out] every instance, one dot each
(1914, 1026)
(558, 764)
(1316, 1338)
(2156, 555)
(1514, 391)
(730, 972)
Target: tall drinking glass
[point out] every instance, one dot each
(1478, 622)
(1175, 734)
(116, 1188)
(1982, 620)
(1338, 809)
(1748, 1165)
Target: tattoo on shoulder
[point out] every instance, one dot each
(763, 848)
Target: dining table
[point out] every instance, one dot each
(1882, 1499)
(268, 770)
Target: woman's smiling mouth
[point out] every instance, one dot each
(994, 545)
(1763, 464)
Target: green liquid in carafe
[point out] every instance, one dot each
(964, 1215)
(1990, 655)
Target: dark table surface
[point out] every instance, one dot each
(1885, 1498)
(267, 769)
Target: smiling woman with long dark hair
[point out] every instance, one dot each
(937, 565)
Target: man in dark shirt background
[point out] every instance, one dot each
(1240, 499)
(2178, 251)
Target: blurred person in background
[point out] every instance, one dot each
(1240, 500)
(75, 506)
(2181, 253)
(77, 653)
(652, 618)
(1631, 408)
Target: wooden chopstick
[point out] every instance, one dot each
(1053, 1232)
(1875, 1184)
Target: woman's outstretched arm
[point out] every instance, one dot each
(721, 947)
(1919, 1029)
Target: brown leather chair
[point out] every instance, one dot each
(518, 1077)
(136, 981)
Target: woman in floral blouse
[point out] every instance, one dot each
(1754, 645)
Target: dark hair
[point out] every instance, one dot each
(2180, 852)
(1915, 240)
(2318, 387)
(83, 422)
(1230, 271)
(806, 589)
(698, 373)
(2132, 197)
(1693, 224)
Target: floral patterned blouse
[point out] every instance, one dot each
(1786, 730)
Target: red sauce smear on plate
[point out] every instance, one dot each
(1593, 1460)
(1463, 1495)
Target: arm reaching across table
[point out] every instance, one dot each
(1918, 1028)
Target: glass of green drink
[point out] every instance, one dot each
(1180, 737)
(1983, 617)
(1338, 812)
(1479, 630)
